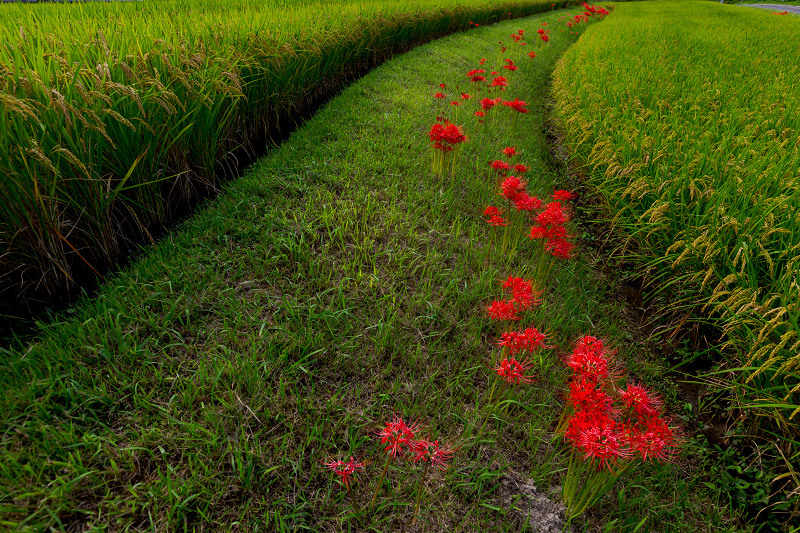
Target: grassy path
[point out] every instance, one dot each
(334, 286)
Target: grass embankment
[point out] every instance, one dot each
(697, 158)
(332, 287)
(116, 115)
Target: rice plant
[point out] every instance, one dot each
(690, 136)
(114, 113)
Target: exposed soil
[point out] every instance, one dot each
(530, 506)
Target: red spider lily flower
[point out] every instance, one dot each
(345, 470)
(553, 215)
(531, 340)
(497, 220)
(510, 152)
(398, 435)
(419, 448)
(488, 103)
(465, 96)
(531, 54)
(512, 187)
(551, 233)
(641, 400)
(439, 456)
(589, 360)
(502, 310)
(513, 371)
(517, 105)
(453, 134)
(482, 61)
(439, 95)
(491, 211)
(435, 135)
(545, 38)
(446, 137)
(500, 166)
(584, 396)
(441, 85)
(540, 31)
(456, 103)
(475, 75)
(590, 343)
(582, 420)
(525, 202)
(499, 81)
(512, 68)
(503, 49)
(587, 365)
(425, 450)
(480, 114)
(521, 169)
(604, 443)
(560, 248)
(563, 195)
(522, 292)
(521, 32)
(653, 439)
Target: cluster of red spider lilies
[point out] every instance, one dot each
(605, 440)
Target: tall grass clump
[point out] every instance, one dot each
(686, 119)
(115, 116)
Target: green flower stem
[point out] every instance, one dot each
(419, 493)
(491, 410)
(380, 482)
(453, 163)
(585, 484)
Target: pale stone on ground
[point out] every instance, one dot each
(531, 506)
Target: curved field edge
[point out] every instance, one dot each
(116, 116)
(333, 286)
(695, 161)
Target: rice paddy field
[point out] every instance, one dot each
(684, 119)
(117, 115)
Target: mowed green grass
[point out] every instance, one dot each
(686, 119)
(117, 115)
(334, 286)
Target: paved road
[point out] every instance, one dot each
(774, 7)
